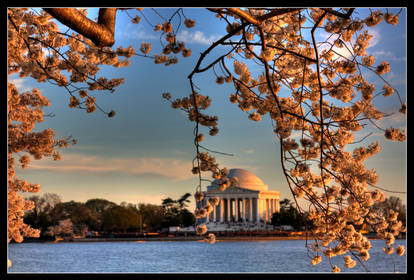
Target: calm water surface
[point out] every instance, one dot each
(185, 256)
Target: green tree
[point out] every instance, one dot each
(152, 216)
(285, 204)
(99, 205)
(118, 218)
(176, 213)
(289, 215)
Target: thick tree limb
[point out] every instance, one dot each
(255, 21)
(101, 33)
(338, 14)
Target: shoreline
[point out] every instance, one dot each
(178, 238)
(194, 238)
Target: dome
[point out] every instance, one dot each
(246, 180)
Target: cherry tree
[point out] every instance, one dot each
(64, 228)
(315, 92)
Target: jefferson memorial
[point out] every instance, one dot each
(249, 201)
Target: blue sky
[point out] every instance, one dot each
(144, 153)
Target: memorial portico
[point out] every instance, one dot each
(248, 201)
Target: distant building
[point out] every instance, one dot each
(250, 201)
(174, 229)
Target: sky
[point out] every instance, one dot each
(144, 153)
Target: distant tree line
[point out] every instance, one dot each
(289, 215)
(56, 218)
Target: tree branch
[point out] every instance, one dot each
(338, 14)
(101, 33)
(255, 21)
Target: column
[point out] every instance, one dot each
(241, 209)
(257, 210)
(228, 209)
(244, 209)
(250, 209)
(221, 210)
(261, 208)
(208, 215)
(264, 209)
(214, 213)
(236, 209)
(269, 209)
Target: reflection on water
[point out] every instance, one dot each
(185, 256)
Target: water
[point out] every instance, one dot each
(185, 256)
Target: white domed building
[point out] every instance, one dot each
(250, 200)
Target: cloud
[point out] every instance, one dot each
(19, 84)
(197, 37)
(395, 79)
(147, 167)
(397, 119)
(346, 52)
(250, 151)
(329, 40)
(137, 34)
(375, 39)
(389, 56)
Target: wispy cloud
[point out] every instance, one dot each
(19, 84)
(189, 37)
(197, 37)
(389, 56)
(249, 152)
(395, 79)
(137, 34)
(148, 167)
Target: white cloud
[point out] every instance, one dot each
(329, 40)
(137, 34)
(142, 167)
(19, 84)
(375, 39)
(346, 52)
(382, 53)
(389, 56)
(395, 79)
(197, 37)
(189, 37)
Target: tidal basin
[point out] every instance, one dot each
(276, 256)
